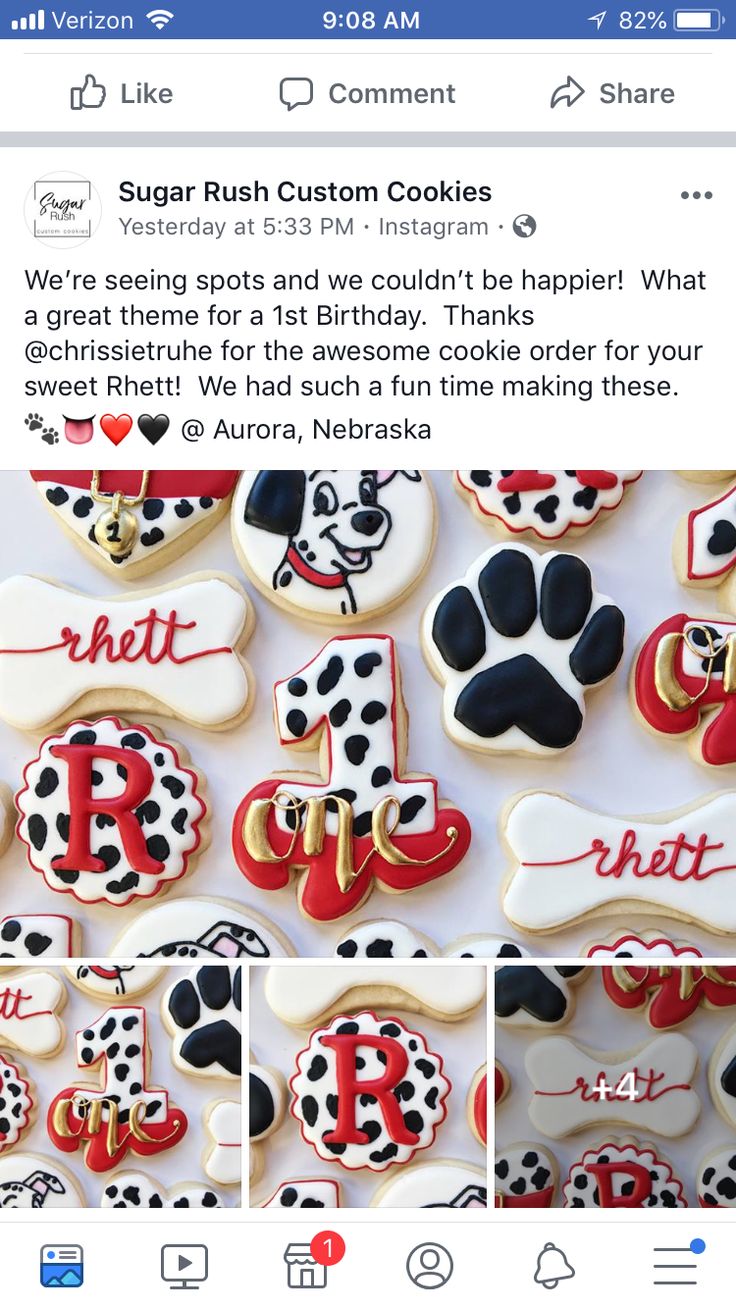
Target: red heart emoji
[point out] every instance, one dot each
(116, 429)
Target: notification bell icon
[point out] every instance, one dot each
(552, 1267)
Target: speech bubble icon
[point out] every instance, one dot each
(295, 91)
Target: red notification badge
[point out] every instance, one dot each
(327, 1248)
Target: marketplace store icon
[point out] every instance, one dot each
(62, 210)
(303, 1271)
(62, 1266)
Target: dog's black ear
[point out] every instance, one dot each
(276, 502)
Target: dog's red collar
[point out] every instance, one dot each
(329, 581)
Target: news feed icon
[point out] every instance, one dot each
(62, 209)
(184, 1266)
(62, 1266)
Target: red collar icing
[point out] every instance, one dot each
(328, 581)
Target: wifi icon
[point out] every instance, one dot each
(159, 17)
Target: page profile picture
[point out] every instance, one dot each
(62, 210)
(62, 1266)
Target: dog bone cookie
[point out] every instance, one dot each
(384, 938)
(334, 546)
(30, 1004)
(173, 650)
(39, 936)
(546, 505)
(722, 1076)
(516, 643)
(223, 1125)
(303, 996)
(305, 1193)
(361, 820)
(133, 522)
(536, 995)
(649, 1088)
(501, 1083)
(202, 1012)
(109, 812)
(570, 863)
(132, 1190)
(623, 1175)
(33, 1181)
(626, 944)
(18, 1104)
(266, 1109)
(122, 1113)
(443, 1184)
(670, 994)
(368, 1092)
(683, 685)
(715, 1184)
(526, 1176)
(477, 1106)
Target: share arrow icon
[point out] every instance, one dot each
(568, 93)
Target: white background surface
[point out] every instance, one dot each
(615, 765)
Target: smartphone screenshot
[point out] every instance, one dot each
(367, 783)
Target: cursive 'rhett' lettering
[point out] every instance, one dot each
(680, 859)
(647, 1088)
(152, 639)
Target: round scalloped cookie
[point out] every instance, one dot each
(633, 1175)
(543, 505)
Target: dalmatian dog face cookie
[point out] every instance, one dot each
(443, 1184)
(32, 1181)
(223, 1125)
(362, 820)
(546, 505)
(334, 546)
(266, 1109)
(384, 939)
(516, 643)
(132, 1190)
(174, 650)
(30, 1004)
(202, 1012)
(368, 1092)
(18, 1104)
(536, 995)
(156, 517)
(525, 1177)
(303, 996)
(623, 1175)
(306, 1193)
(39, 936)
(109, 812)
(715, 1183)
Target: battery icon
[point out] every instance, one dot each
(697, 20)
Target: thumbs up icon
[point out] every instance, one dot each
(89, 96)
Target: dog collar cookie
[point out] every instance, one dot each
(622, 1175)
(109, 813)
(478, 1103)
(29, 1007)
(722, 1076)
(715, 1183)
(31, 1181)
(223, 1125)
(444, 1184)
(525, 1177)
(571, 862)
(17, 1104)
(266, 1109)
(308, 1193)
(650, 1088)
(672, 993)
(368, 1092)
(135, 522)
(705, 542)
(548, 505)
(303, 996)
(363, 821)
(384, 938)
(131, 1190)
(516, 643)
(536, 995)
(624, 944)
(174, 650)
(123, 1113)
(334, 546)
(38, 936)
(684, 684)
(202, 1012)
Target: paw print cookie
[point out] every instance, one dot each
(110, 812)
(266, 1109)
(202, 1012)
(546, 505)
(623, 1175)
(537, 995)
(525, 1177)
(516, 643)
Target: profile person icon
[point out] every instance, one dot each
(429, 1266)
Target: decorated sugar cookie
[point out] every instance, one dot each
(362, 820)
(132, 1190)
(7, 815)
(543, 504)
(123, 1113)
(684, 685)
(18, 1104)
(443, 1184)
(537, 995)
(39, 936)
(669, 994)
(623, 1175)
(650, 1088)
(303, 996)
(266, 1109)
(477, 1106)
(501, 1083)
(715, 1183)
(222, 1122)
(33, 1181)
(706, 474)
(704, 550)
(135, 522)
(174, 650)
(202, 1012)
(30, 1004)
(334, 546)
(516, 643)
(384, 938)
(625, 944)
(722, 1076)
(571, 863)
(479, 946)
(368, 1092)
(305, 1193)
(109, 812)
(525, 1175)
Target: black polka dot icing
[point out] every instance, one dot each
(169, 816)
(716, 1180)
(133, 1190)
(581, 1188)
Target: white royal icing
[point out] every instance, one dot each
(568, 500)
(484, 947)
(16, 1104)
(198, 929)
(132, 1190)
(444, 1185)
(377, 567)
(580, 1191)
(202, 1012)
(570, 861)
(36, 936)
(722, 1076)
(628, 945)
(223, 1124)
(649, 1088)
(715, 1182)
(525, 1174)
(306, 1193)
(57, 645)
(301, 995)
(711, 539)
(28, 1012)
(30, 1181)
(384, 938)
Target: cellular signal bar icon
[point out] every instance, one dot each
(31, 23)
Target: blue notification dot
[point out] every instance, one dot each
(697, 1246)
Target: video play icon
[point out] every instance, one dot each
(184, 1266)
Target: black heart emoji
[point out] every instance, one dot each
(153, 428)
